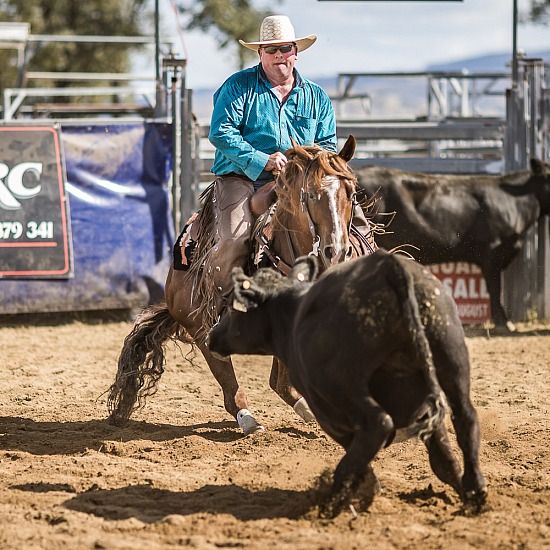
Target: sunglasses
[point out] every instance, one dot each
(274, 49)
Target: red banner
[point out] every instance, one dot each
(467, 286)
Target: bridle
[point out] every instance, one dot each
(304, 206)
(263, 231)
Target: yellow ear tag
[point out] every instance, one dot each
(246, 285)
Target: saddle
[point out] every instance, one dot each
(184, 248)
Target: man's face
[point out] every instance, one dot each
(278, 60)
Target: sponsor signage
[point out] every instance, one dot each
(34, 222)
(467, 286)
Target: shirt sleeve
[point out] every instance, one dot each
(225, 134)
(325, 135)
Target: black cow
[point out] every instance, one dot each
(481, 219)
(372, 345)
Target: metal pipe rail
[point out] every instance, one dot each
(63, 76)
(446, 91)
(97, 39)
(421, 131)
(14, 97)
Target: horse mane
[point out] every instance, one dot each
(312, 163)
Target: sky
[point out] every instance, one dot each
(376, 36)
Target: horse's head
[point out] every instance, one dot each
(316, 190)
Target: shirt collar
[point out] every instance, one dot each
(299, 81)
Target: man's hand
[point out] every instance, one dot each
(275, 162)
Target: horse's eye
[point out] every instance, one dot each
(312, 195)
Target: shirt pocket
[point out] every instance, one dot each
(305, 128)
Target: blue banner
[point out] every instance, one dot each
(122, 233)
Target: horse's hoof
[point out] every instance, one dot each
(248, 423)
(254, 430)
(301, 408)
(510, 326)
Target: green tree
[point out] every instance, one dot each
(539, 11)
(227, 20)
(92, 17)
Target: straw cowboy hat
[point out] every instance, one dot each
(277, 29)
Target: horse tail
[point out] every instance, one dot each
(141, 362)
(432, 412)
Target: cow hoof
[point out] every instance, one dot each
(510, 326)
(474, 501)
(331, 508)
(301, 408)
(504, 328)
(248, 423)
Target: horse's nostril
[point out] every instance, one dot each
(329, 254)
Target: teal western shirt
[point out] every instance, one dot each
(249, 122)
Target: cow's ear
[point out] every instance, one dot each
(305, 269)
(537, 167)
(348, 150)
(246, 294)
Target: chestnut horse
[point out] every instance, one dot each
(312, 215)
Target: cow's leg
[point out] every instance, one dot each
(442, 459)
(466, 424)
(492, 276)
(234, 398)
(376, 426)
(280, 384)
(473, 490)
(453, 372)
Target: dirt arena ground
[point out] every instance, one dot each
(182, 475)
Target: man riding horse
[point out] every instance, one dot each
(256, 113)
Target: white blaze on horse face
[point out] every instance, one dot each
(331, 185)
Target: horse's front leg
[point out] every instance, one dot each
(280, 384)
(234, 398)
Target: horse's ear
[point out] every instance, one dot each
(305, 269)
(246, 294)
(348, 149)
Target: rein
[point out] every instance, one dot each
(265, 246)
